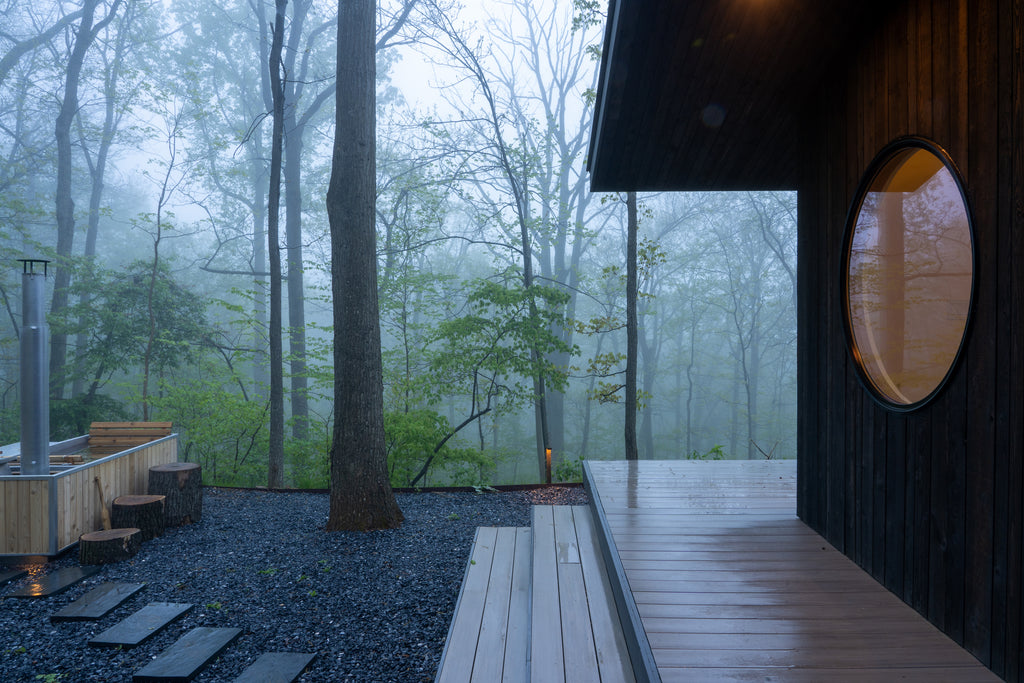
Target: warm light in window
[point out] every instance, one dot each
(909, 273)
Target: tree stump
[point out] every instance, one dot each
(182, 485)
(109, 545)
(145, 513)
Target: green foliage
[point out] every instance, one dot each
(116, 322)
(71, 417)
(467, 473)
(569, 470)
(587, 13)
(220, 429)
(10, 424)
(413, 437)
(497, 336)
(714, 453)
(307, 463)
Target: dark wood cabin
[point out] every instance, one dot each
(925, 495)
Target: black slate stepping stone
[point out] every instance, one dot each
(141, 626)
(9, 575)
(276, 667)
(54, 582)
(98, 602)
(182, 661)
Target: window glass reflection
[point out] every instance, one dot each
(909, 278)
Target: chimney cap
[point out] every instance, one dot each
(28, 265)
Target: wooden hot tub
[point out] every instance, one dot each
(45, 515)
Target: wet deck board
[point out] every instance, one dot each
(576, 633)
(536, 604)
(478, 642)
(731, 586)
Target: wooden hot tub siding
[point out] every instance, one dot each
(44, 515)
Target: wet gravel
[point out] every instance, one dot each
(372, 606)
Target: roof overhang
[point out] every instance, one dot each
(708, 95)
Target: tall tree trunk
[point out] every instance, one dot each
(275, 469)
(294, 131)
(751, 373)
(632, 228)
(261, 378)
(64, 204)
(517, 186)
(97, 172)
(645, 433)
(690, 362)
(361, 497)
(166, 190)
(296, 279)
(734, 421)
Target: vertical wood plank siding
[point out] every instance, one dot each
(930, 502)
(69, 503)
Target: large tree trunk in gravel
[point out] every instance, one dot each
(361, 495)
(181, 484)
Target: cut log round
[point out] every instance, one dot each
(109, 545)
(146, 513)
(182, 485)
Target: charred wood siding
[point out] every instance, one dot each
(930, 502)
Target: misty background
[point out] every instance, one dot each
(134, 139)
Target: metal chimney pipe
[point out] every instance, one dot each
(35, 372)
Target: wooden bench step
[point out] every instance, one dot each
(98, 602)
(188, 656)
(9, 575)
(140, 626)
(53, 583)
(575, 634)
(488, 636)
(107, 438)
(276, 667)
(537, 604)
(136, 427)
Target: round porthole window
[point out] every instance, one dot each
(908, 273)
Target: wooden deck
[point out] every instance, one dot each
(728, 585)
(536, 605)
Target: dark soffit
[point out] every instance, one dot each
(708, 94)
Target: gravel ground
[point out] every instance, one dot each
(372, 606)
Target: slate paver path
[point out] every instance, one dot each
(53, 583)
(140, 626)
(9, 575)
(276, 667)
(184, 660)
(98, 602)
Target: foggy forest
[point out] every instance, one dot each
(136, 157)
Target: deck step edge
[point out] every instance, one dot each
(645, 669)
